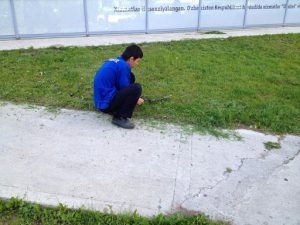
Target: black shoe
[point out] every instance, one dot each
(122, 122)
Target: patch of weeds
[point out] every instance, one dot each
(228, 170)
(53, 110)
(272, 145)
(30, 107)
(235, 136)
(19, 212)
(213, 32)
(2, 104)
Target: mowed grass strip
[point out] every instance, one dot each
(214, 83)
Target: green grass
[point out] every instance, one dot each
(214, 83)
(228, 170)
(213, 32)
(17, 212)
(272, 145)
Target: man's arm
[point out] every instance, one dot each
(132, 78)
(123, 79)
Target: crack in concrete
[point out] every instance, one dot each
(264, 179)
(285, 162)
(242, 163)
(227, 175)
(220, 181)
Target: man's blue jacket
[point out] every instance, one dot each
(112, 76)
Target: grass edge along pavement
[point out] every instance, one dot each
(17, 212)
(249, 82)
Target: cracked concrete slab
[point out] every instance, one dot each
(229, 196)
(79, 158)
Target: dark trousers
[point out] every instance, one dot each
(124, 101)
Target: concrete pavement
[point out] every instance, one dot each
(79, 158)
(139, 38)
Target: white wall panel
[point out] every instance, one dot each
(293, 13)
(173, 14)
(222, 13)
(49, 16)
(6, 21)
(265, 12)
(116, 15)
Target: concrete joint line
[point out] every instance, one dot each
(183, 168)
(191, 164)
(176, 175)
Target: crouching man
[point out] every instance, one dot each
(115, 90)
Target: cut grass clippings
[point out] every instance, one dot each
(213, 32)
(18, 212)
(214, 83)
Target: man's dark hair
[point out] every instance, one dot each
(132, 51)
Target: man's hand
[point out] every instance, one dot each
(140, 101)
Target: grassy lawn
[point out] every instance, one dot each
(17, 212)
(214, 83)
